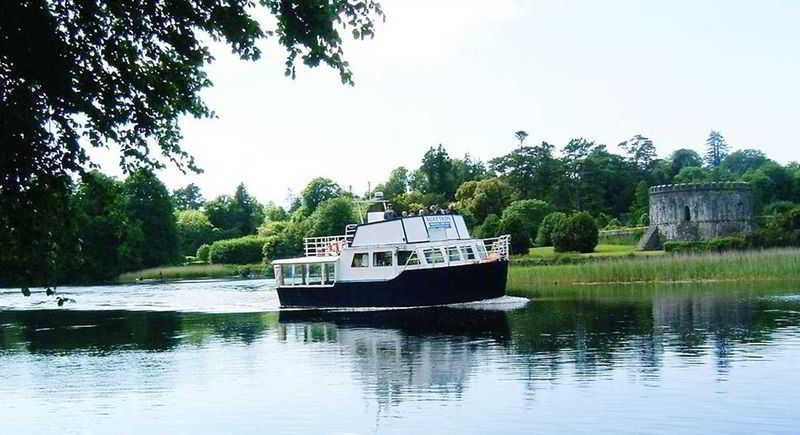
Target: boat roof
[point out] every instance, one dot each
(411, 229)
(307, 260)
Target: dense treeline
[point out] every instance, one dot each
(100, 227)
(540, 194)
(515, 192)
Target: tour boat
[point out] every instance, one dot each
(395, 261)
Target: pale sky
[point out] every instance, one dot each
(468, 74)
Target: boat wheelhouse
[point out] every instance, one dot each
(395, 262)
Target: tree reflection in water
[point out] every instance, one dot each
(437, 352)
(587, 332)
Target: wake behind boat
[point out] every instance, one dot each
(395, 262)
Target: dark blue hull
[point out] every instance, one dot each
(420, 287)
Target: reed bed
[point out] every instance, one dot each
(195, 271)
(769, 264)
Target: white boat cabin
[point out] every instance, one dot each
(382, 249)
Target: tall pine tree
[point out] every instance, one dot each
(716, 149)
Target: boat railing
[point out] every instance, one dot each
(326, 246)
(498, 246)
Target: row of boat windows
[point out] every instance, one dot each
(306, 274)
(412, 258)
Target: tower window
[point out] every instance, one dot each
(687, 216)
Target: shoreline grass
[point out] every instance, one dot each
(601, 250)
(194, 271)
(772, 264)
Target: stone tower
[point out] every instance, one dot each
(698, 211)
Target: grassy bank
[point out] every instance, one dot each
(749, 265)
(602, 250)
(547, 256)
(195, 271)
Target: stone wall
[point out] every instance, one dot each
(701, 211)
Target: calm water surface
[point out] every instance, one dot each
(220, 357)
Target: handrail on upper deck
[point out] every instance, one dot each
(326, 246)
(500, 246)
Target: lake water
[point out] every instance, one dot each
(220, 357)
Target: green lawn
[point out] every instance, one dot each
(599, 251)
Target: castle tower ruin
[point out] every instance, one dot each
(698, 211)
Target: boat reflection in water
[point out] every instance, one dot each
(396, 353)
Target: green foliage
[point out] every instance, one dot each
(396, 185)
(467, 169)
(771, 182)
(194, 229)
(693, 174)
(719, 244)
(623, 236)
(521, 135)
(514, 224)
(331, 217)
(531, 170)
(544, 235)
(490, 227)
(95, 74)
(529, 214)
(288, 243)
(641, 151)
(684, 158)
(203, 252)
(716, 149)
(576, 233)
(728, 243)
(739, 162)
(274, 212)
(778, 207)
(148, 206)
(613, 224)
(788, 221)
(317, 191)
(414, 200)
(187, 198)
(641, 201)
(602, 220)
(484, 197)
(243, 250)
(437, 169)
(644, 220)
(238, 215)
(101, 227)
(270, 228)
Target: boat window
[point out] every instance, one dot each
(468, 253)
(278, 275)
(481, 251)
(407, 258)
(299, 274)
(314, 274)
(360, 259)
(382, 259)
(288, 274)
(330, 273)
(433, 256)
(453, 254)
